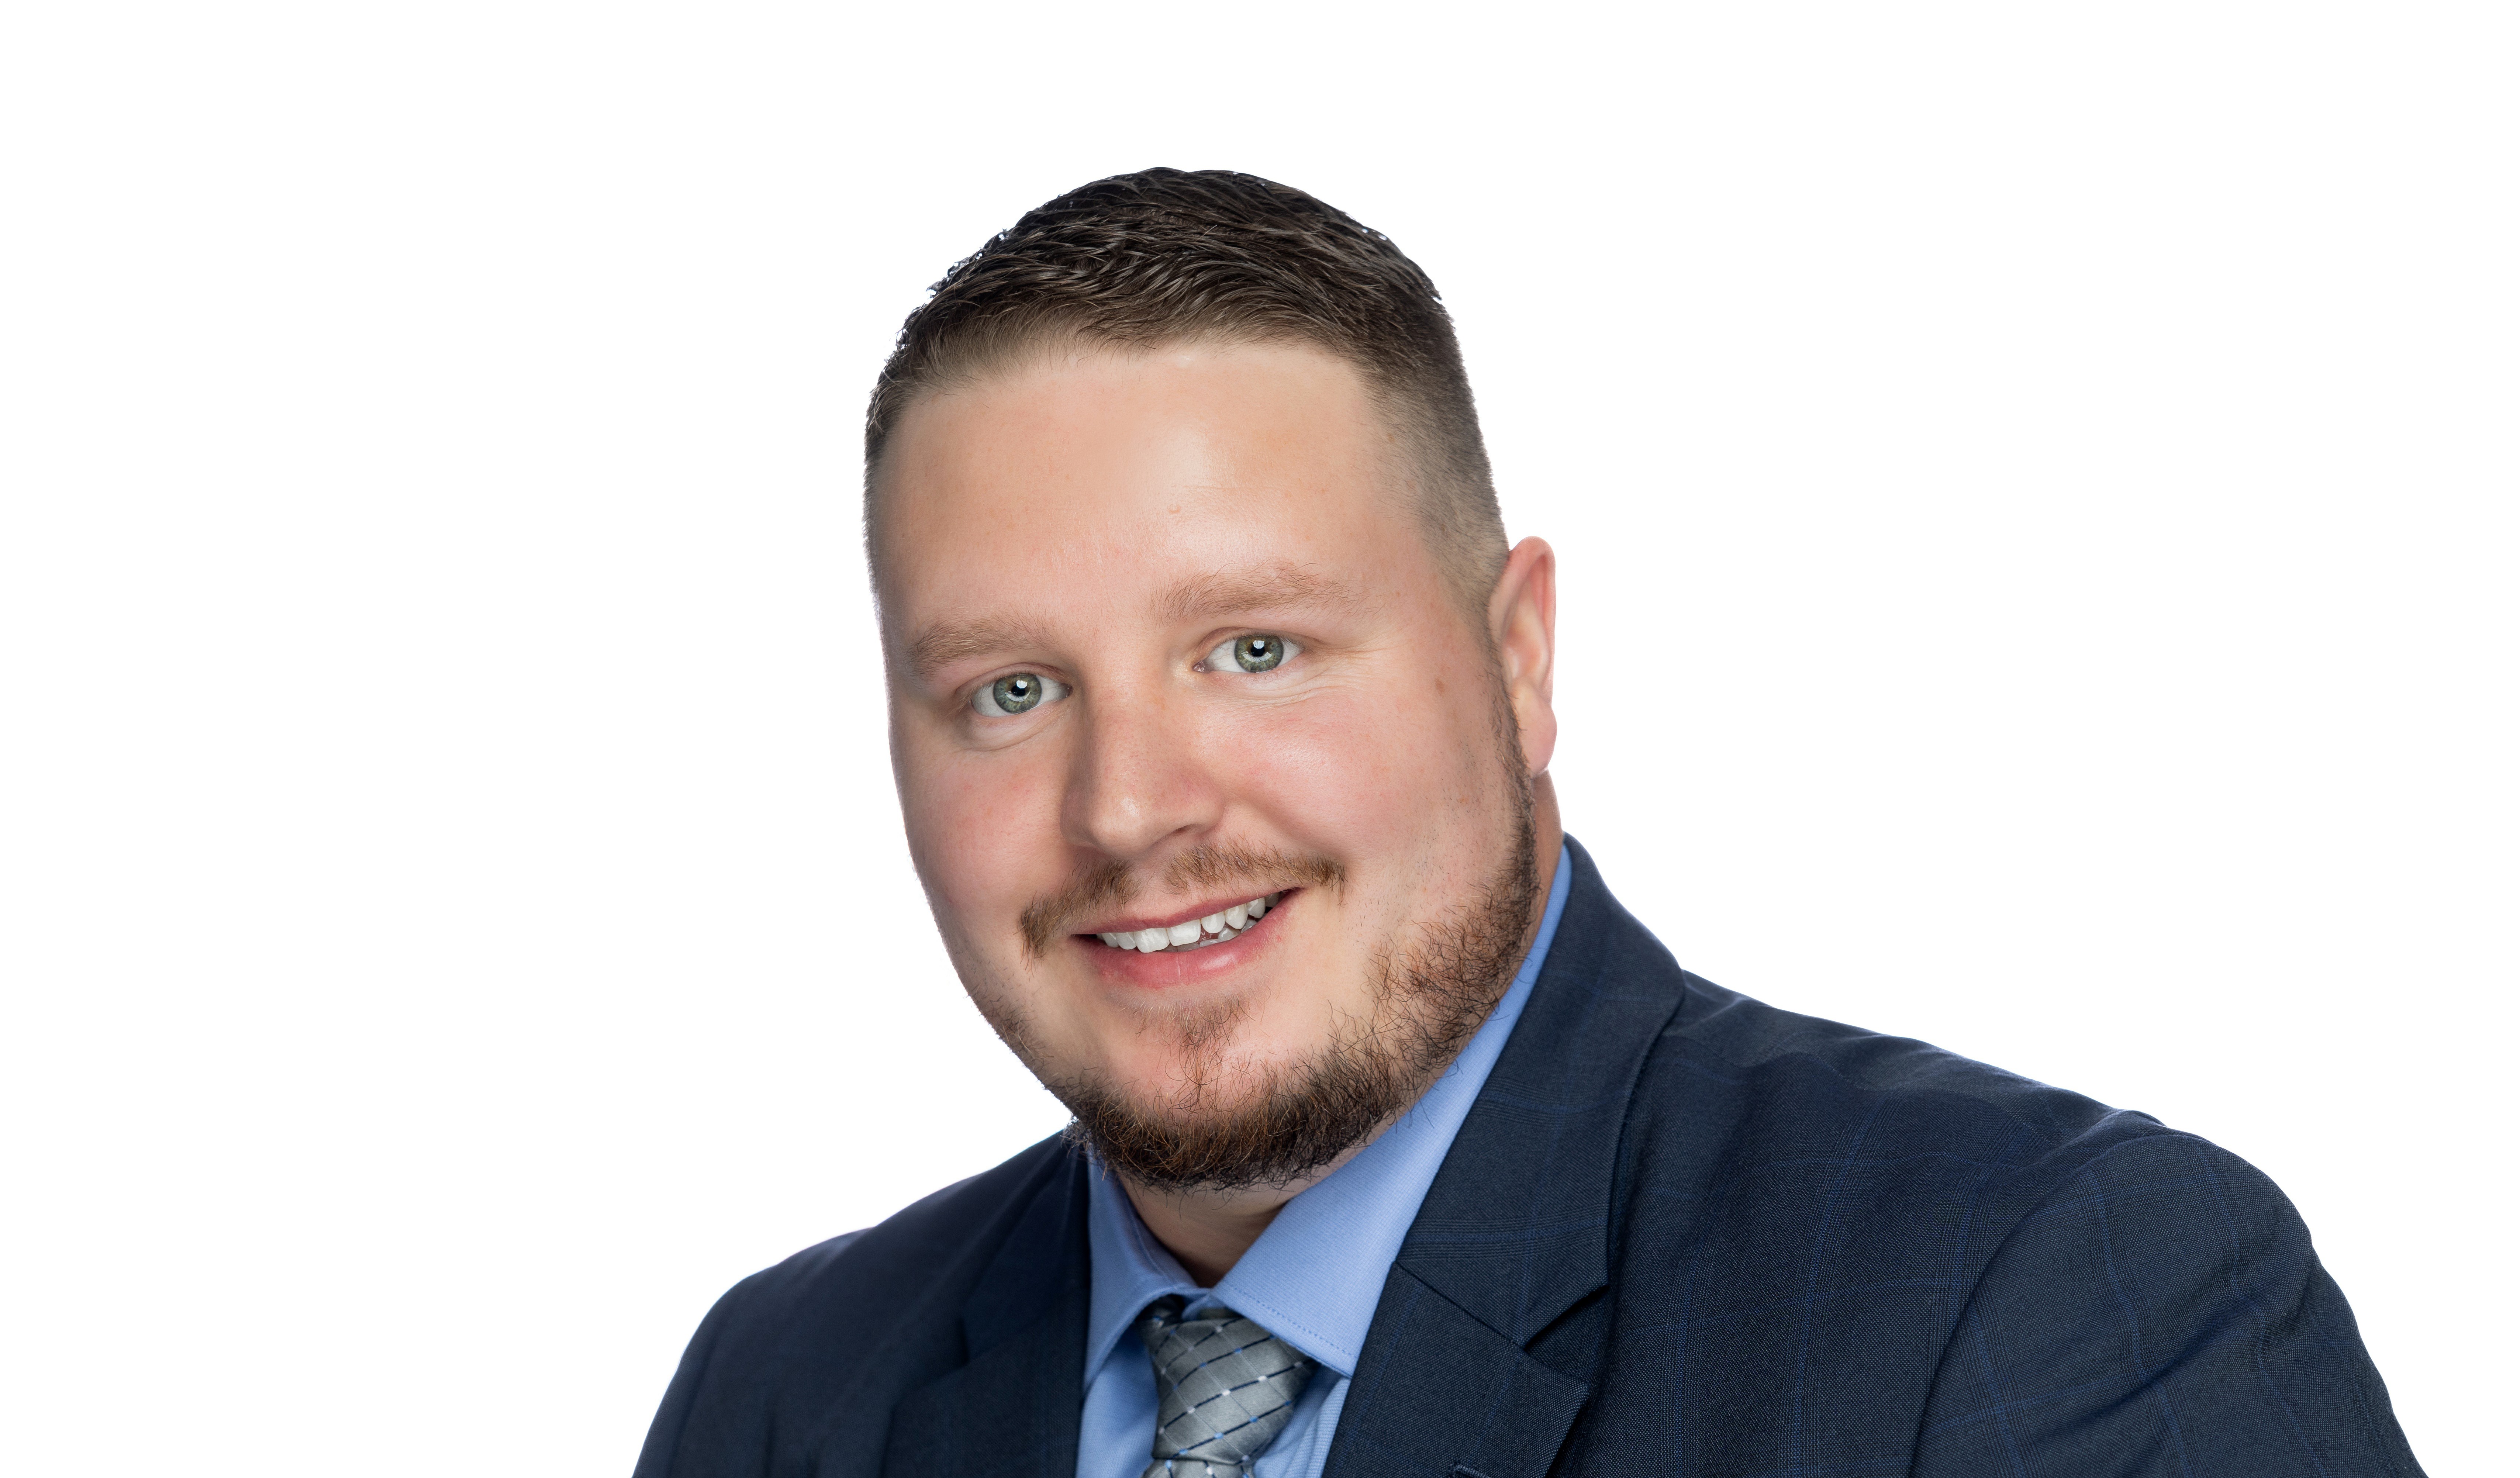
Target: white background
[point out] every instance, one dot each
(2036, 495)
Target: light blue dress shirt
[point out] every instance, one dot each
(1313, 1279)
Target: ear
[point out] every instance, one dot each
(1523, 620)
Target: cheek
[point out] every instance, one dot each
(1369, 770)
(977, 826)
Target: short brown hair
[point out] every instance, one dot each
(1167, 256)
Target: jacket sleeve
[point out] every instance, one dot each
(2160, 1313)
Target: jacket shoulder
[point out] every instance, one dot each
(1977, 1271)
(830, 1336)
(891, 1269)
(1830, 1089)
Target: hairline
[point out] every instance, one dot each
(991, 351)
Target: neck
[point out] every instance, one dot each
(1207, 1231)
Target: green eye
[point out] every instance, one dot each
(1016, 692)
(1251, 653)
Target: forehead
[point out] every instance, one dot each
(1085, 479)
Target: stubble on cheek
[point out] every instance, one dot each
(998, 1005)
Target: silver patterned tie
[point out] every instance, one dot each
(1224, 1387)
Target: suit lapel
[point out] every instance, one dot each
(1515, 1233)
(1013, 1408)
(1438, 1393)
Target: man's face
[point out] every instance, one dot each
(1165, 637)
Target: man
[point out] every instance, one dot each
(1221, 721)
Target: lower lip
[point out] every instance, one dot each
(1165, 968)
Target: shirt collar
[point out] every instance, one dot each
(1314, 1276)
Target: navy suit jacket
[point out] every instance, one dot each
(1680, 1232)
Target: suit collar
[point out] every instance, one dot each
(1515, 1233)
(1015, 1405)
(1515, 1230)
(1042, 1257)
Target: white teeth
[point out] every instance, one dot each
(1196, 933)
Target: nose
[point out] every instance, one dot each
(1140, 775)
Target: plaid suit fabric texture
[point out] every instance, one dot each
(1226, 1386)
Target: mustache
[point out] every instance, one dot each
(1109, 884)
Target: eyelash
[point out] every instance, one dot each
(984, 697)
(1287, 647)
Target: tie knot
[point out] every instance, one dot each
(1224, 1388)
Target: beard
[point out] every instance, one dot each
(1431, 992)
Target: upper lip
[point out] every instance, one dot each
(1180, 916)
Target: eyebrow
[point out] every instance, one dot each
(948, 643)
(1275, 585)
(1202, 597)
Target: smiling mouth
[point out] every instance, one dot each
(1193, 934)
